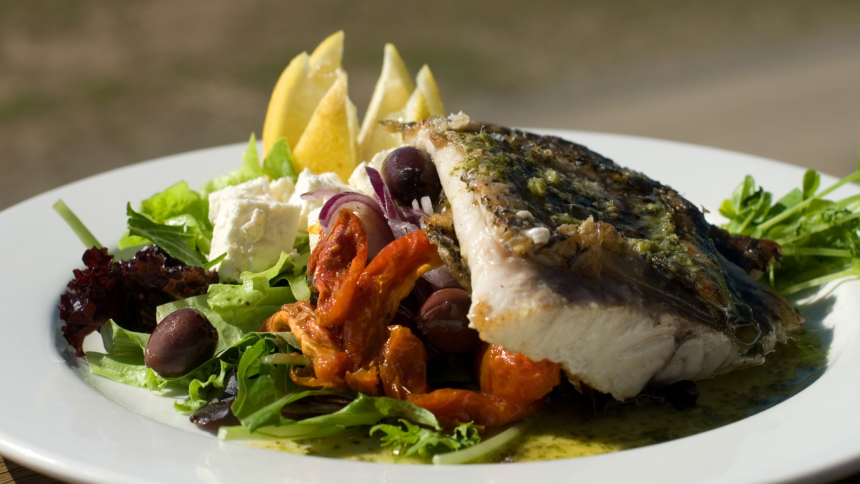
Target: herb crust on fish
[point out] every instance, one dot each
(578, 260)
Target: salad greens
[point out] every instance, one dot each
(819, 237)
(178, 207)
(363, 410)
(176, 220)
(180, 241)
(407, 439)
(488, 447)
(234, 310)
(81, 230)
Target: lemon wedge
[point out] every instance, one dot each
(417, 108)
(299, 90)
(329, 142)
(389, 97)
(427, 85)
(424, 102)
(326, 58)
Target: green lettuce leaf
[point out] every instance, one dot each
(177, 218)
(178, 205)
(81, 230)
(262, 388)
(407, 439)
(176, 200)
(119, 341)
(819, 237)
(290, 267)
(125, 364)
(125, 369)
(253, 289)
(299, 286)
(180, 241)
(295, 273)
(364, 410)
(249, 170)
(485, 449)
(233, 323)
(200, 390)
(279, 161)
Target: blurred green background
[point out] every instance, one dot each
(86, 86)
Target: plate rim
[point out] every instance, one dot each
(60, 468)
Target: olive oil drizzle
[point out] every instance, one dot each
(570, 428)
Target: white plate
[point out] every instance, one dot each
(55, 419)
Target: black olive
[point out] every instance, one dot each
(444, 323)
(184, 340)
(409, 173)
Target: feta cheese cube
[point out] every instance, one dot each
(282, 189)
(253, 224)
(310, 182)
(258, 188)
(252, 233)
(359, 179)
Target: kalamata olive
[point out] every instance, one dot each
(184, 340)
(444, 324)
(410, 175)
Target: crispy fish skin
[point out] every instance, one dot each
(596, 267)
(440, 231)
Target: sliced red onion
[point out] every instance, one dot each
(400, 223)
(382, 194)
(405, 221)
(321, 193)
(330, 208)
(379, 234)
(441, 277)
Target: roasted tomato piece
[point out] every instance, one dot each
(512, 387)
(404, 364)
(364, 380)
(388, 279)
(335, 267)
(454, 406)
(329, 362)
(515, 377)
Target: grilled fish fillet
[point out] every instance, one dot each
(577, 260)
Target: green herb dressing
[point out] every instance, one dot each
(564, 431)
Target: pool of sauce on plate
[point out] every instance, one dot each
(571, 429)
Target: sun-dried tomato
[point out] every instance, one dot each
(512, 387)
(364, 380)
(388, 279)
(335, 267)
(404, 364)
(454, 406)
(346, 348)
(317, 343)
(515, 377)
